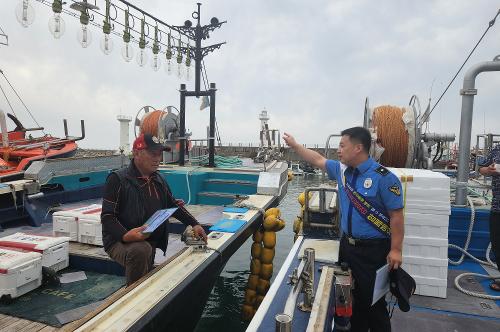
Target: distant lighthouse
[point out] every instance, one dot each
(124, 133)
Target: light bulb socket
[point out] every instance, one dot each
(84, 18)
(156, 48)
(179, 58)
(106, 28)
(168, 54)
(142, 43)
(126, 37)
(188, 61)
(57, 6)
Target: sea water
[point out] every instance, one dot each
(223, 309)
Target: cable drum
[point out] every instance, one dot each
(393, 130)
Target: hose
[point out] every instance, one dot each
(465, 253)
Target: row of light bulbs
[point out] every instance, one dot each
(25, 15)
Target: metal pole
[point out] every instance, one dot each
(211, 139)
(182, 125)
(283, 323)
(468, 92)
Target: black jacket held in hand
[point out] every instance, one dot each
(130, 199)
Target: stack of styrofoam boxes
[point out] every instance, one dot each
(20, 272)
(90, 227)
(54, 250)
(425, 246)
(82, 224)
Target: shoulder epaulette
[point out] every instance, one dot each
(382, 170)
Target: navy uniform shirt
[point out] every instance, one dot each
(375, 183)
(494, 158)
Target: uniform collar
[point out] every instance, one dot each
(364, 166)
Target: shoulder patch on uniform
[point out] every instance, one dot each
(382, 170)
(395, 189)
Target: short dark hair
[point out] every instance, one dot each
(359, 135)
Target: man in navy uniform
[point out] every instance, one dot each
(488, 169)
(372, 220)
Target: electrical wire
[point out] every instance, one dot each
(490, 24)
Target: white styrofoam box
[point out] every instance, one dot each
(54, 250)
(426, 225)
(422, 178)
(63, 225)
(425, 247)
(65, 222)
(425, 190)
(431, 286)
(426, 267)
(90, 231)
(20, 272)
(89, 225)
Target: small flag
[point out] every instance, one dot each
(205, 102)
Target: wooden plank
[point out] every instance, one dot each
(33, 326)
(48, 329)
(117, 295)
(320, 306)
(7, 320)
(16, 325)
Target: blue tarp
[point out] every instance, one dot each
(227, 225)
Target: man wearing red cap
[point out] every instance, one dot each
(131, 196)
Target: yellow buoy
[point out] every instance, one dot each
(257, 236)
(253, 279)
(297, 224)
(256, 249)
(255, 266)
(258, 301)
(263, 286)
(272, 211)
(266, 272)
(247, 312)
(280, 226)
(302, 198)
(250, 296)
(270, 222)
(266, 255)
(269, 240)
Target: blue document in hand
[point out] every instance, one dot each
(158, 218)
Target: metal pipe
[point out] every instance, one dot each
(5, 133)
(182, 125)
(283, 323)
(468, 92)
(309, 289)
(211, 139)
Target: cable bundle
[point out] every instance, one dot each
(391, 134)
(149, 123)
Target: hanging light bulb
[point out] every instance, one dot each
(168, 56)
(25, 13)
(156, 62)
(188, 63)
(179, 60)
(142, 57)
(84, 36)
(57, 26)
(106, 41)
(127, 50)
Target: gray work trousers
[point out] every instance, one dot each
(136, 257)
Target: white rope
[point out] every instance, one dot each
(466, 253)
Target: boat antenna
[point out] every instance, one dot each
(20, 99)
(490, 24)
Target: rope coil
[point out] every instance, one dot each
(391, 134)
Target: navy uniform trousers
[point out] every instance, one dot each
(364, 259)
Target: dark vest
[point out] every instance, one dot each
(132, 212)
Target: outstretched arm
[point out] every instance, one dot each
(310, 156)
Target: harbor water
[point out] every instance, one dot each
(222, 312)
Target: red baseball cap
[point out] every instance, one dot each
(150, 142)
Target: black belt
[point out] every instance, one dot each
(366, 242)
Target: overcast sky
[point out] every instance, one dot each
(309, 63)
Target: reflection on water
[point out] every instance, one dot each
(222, 312)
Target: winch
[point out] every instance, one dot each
(191, 240)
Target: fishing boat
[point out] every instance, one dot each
(58, 200)
(446, 240)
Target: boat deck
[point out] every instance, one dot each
(457, 312)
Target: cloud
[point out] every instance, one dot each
(310, 64)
